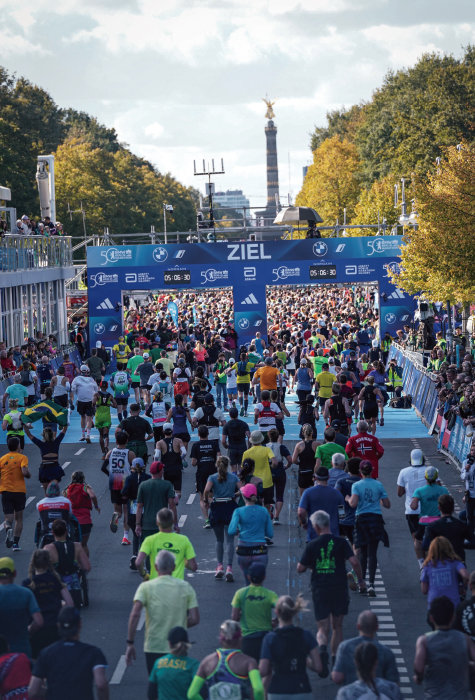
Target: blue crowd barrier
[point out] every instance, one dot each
(419, 383)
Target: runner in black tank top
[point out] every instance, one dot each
(304, 456)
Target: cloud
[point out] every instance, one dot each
(154, 130)
(16, 45)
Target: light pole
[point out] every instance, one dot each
(166, 207)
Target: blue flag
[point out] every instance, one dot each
(195, 315)
(173, 311)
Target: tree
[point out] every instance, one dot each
(332, 181)
(376, 204)
(341, 122)
(415, 114)
(437, 259)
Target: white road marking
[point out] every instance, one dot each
(28, 501)
(119, 671)
(376, 603)
(387, 633)
(191, 498)
(66, 465)
(390, 626)
(80, 451)
(182, 520)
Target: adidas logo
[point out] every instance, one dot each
(106, 304)
(397, 294)
(250, 299)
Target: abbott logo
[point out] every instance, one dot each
(250, 274)
(351, 270)
(131, 277)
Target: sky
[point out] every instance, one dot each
(182, 80)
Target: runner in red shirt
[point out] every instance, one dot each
(365, 446)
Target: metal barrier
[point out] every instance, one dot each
(31, 252)
(420, 384)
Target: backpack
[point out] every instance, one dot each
(337, 410)
(25, 375)
(121, 347)
(16, 420)
(242, 369)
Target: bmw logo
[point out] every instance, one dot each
(243, 323)
(99, 328)
(390, 318)
(160, 255)
(320, 248)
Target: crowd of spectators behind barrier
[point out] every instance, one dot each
(31, 227)
(12, 358)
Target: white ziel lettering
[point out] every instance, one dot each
(251, 251)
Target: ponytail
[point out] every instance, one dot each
(222, 464)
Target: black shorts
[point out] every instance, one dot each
(243, 388)
(20, 437)
(347, 531)
(305, 480)
(279, 485)
(185, 437)
(122, 400)
(174, 476)
(322, 401)
(50, 472)
(85, 408)
(419, 532)
(43, 386)
(268, 495)
(371, 411)
(13, 502)
(61, 400)
(146, 386)
(117, 498)
(85, 528)
(413, 522)
(235, 454)
(202, 479)
(330, 601)
(157, 432)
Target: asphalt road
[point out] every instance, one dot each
(399, 602)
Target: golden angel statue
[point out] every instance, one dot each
(270, 112)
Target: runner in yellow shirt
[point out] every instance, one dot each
(324, 381)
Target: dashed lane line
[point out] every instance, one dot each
(79, 452)
(191, 498)
(182, 520)
(118, 671)
(66, 465)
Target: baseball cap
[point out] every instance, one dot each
(208, 398)
(156, 467)
(7, 567)
(98, 344)
(417, 458)
(84, 368)
(232, 361)
(322, 474)
(335, 424)
(138, 463)
(167, 426)
(248, 491)
(431, 474)
(257, 572)
(145, 355)
(69, 619)
(177, 635)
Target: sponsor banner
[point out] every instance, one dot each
(172, 309)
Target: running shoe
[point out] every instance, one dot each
(352, 584)
(88, 440)
(324, 658)
(113, 522)
(245, 414)
(132, 563)
(82, 439)
(219, 574)
(125, 540)
(381, 422)
(269, 542)
(207, 525)
(16, 547)
(371, 592)
(9, 540)
(241, 412)
(276, 521)
(229, 575)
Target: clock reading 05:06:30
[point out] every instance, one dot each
(177, 277)
(318, 272)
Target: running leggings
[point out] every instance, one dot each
(221, 531)
(368, 559)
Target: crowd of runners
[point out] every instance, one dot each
(193, 397)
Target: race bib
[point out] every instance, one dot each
(225, 691)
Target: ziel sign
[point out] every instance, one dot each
(246, 267)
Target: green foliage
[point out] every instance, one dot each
(117, 188)
(341, 122)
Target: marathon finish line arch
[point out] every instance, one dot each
(247, 267)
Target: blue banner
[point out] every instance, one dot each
(173, 311)
(195, 316)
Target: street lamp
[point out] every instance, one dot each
(166, 207)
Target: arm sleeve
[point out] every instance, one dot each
(256, 684)
(194, 690)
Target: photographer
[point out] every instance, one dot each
(468, 477)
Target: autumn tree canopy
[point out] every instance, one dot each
(438, 259)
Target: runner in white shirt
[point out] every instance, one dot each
(231, 382)
(84, 388)
(116, 465)
(410, 479)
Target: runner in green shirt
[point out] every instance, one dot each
(179, 545)
(325, 452)
(172, 674)
(252, 607)
(132, 365)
